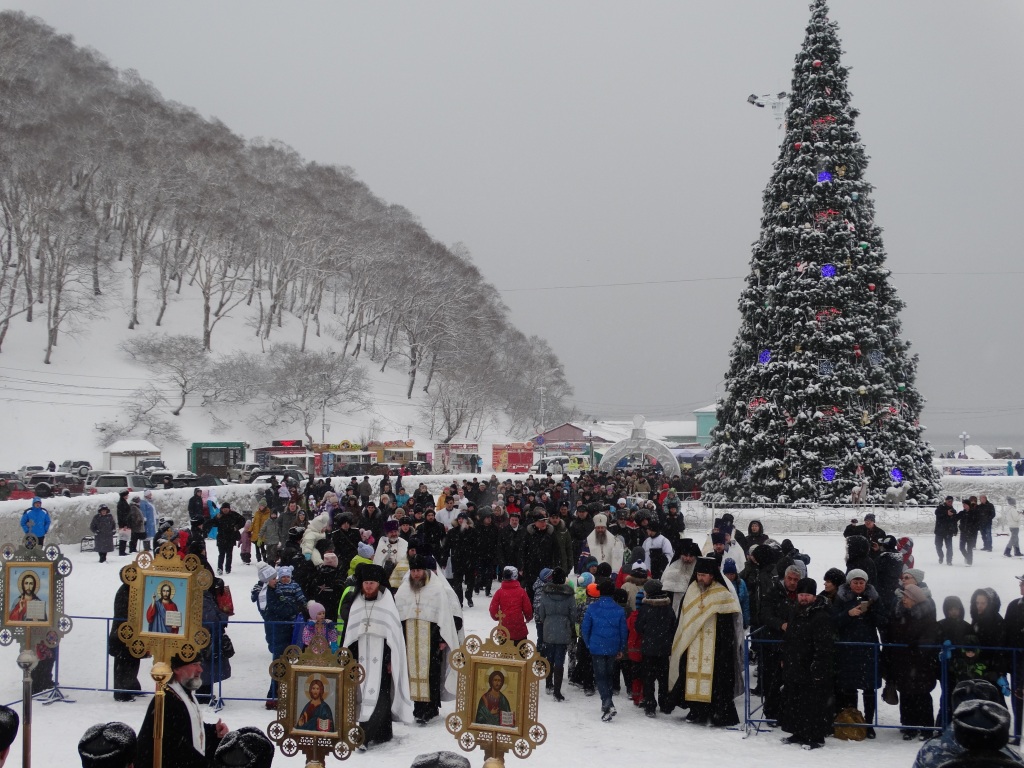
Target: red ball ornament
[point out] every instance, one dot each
(856, 350)
(797, 145)
(817, 63)
(871, 286)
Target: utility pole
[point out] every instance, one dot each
(323, 416)
(544, 446)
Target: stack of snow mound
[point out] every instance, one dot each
(70, 517)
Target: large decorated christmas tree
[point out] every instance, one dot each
(820, 395)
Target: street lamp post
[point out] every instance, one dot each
(964, 437)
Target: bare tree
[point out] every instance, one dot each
(302, 386)
(179, 361)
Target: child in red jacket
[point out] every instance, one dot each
(513, 602)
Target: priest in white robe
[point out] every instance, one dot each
(374, 634)
(430, 631)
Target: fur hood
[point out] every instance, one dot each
(559, 589)
(654, 602)
(844, 593)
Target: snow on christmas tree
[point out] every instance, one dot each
(820, 397)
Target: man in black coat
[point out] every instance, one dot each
(182, 747)
(945, 529)
(579, 528)
(777, 606)
(229, 525)
(460, 549)
(807, 652)
(539, 551)
(985, 513)
(513, 537)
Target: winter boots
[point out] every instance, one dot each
(557, 674)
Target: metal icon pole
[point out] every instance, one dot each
(161, 674)
(27, 660)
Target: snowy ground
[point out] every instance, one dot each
(575, 730)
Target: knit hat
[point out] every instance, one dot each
(266, 572)
(331, 560)
(558, 576)
(585, 579)
(807, 587)
(364, 550)
(606, 587)
(652, 587)
(917, 573)
(545, 574)
(856, 573)
(869, 516)
(620, 596)
(510, 573)
(981, 725)
(107, 745)
(314, 609)
(592, 590)
(915, 593)
(247, 747)
(728, 565)
(284, 570)
(604, 570)
(600, 521)
(638, 569)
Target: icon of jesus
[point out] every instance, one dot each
(494, 707)
(317, 714)
(157, 612)
(28, 606)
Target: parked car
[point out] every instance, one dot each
(48, 484)
(75, 467)
(199, 481)
(18, 490)
(180, 478)
(393, 468)
(149, 466)
(282, 475)
(352, 470)
(114, 483)
(8, 475)
(418, 468)
(240, 471)
(28, 470)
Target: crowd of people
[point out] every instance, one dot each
(625, 602)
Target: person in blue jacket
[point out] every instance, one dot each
(149, 515)
(35, 521)
(604, 632)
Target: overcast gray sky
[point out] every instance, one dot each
(580, 142)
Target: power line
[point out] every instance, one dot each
(1000, 273)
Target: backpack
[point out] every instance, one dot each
(848, 723)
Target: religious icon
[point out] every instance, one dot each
(165, 601)
(30, 594)
(317, 714)
(499, 693)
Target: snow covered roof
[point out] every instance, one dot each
(130, 447)
(707, 409)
